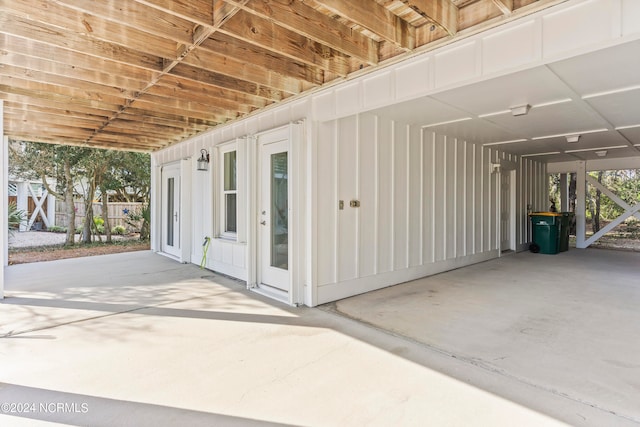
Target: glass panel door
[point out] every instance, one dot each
(279, 211)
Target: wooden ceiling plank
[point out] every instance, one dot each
(267, 35)
(375, 18)
(300, 18)
(89, 94)
(242, 69)
(242, 51)
(198, 11)
(191, 87)
(57, 97)
(36, 76)
(70, 71)
(178, 119)
(153, 105)
(202, 97)
(137, 15)
(70, 59)
(50, 35)
(190, 107)
(443, 13)
(226, 82)
(505, 6)
(58, 110)
(92, 27)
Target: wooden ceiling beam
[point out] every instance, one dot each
(54, 36)
(207, 95)
(63, 140)
(137, 15)
(242, 69)
(226, 82)
(505, 6)
(442, 13)
(242, 51)
(267, 35)
(375, 18)
(190, 87)
(37, 87)
(35, 76)
(198, 11)
(303, 19)
(70, 59)
(91, 27)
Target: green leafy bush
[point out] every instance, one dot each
(57, 229)
(118, 229)
(15, 216)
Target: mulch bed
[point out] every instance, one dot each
(52, 253)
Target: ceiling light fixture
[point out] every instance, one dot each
(601, 153)
(572, 138)
(520, 110)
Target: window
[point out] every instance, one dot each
(229, 195)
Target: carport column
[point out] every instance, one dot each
(564, 193)
(581, 191)
(23, 202)
(4, 194)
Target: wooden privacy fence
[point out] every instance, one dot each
(116, 213)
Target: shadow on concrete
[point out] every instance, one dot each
(83, 410)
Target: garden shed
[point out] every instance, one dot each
(318, 150)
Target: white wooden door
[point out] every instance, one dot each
(171, 210)
(273, 214)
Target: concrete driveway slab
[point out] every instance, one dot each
(168, 344)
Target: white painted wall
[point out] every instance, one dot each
(428, 203)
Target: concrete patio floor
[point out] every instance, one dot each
(138, 339)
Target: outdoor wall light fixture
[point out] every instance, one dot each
(203, 161)
(520, 110)
(573, 138)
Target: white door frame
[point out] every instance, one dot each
(507, 167)
(293, 134)
(171, 171)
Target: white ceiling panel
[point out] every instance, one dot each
(568, 117)
(620, 109)
(632, 134)
(421, 111)
(535, 86)
(476, 131)
(601, 71)
(610, 154)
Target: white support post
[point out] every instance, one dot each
(564, 193)
(51, 210)
(23, 202)
(581, 192)
(4, 194)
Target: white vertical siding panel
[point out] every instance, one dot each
(400, 199)
(479, 199)
(327, 204)
(385, 196)
(368, 198)
(415, 192)
(428, 217)
(348, 190)
(486, 200)
(450, 197)
(461, 197)
(470, 208)
(439, 197)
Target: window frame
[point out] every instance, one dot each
(223, 193)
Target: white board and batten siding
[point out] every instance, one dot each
(427, 204)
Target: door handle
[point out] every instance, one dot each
(263, 222)
(175, 215)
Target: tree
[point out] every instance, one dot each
(34, 160)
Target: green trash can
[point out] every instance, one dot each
(565, 224)
(546, 231)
